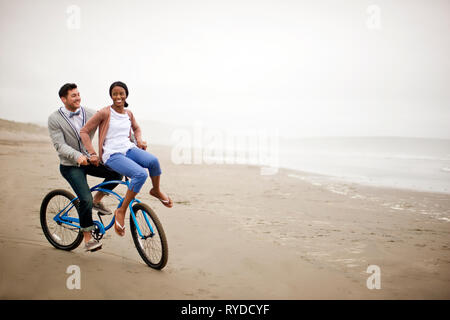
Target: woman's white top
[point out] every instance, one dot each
(117, 138)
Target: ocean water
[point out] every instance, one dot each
(409, 163)
(421, 164)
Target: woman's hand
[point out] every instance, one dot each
(95, 160)
(142, 145)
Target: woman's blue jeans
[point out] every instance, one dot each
(133, 164)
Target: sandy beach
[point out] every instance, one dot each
(233, 234)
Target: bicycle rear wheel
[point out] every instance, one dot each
(152, 246)
(60, 235)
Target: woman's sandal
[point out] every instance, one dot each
(167, 203)
(120, 230)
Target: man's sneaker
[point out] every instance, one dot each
(100, 207)
(92, 245)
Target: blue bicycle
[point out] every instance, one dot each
(61, 225)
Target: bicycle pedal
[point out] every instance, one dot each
(103, 213)
(96, 249)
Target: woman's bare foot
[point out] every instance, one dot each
(165, 200)
(119, 224)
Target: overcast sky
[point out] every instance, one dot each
(308, 68)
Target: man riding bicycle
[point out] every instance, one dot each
(64, 128)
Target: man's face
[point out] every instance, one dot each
(72, 100)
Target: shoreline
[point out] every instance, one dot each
(26, 133)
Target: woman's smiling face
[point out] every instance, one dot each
(118, 96)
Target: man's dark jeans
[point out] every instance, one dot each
(76, 176)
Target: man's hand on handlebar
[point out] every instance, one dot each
(82, 160)
(95, 160)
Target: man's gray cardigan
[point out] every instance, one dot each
(65, 137)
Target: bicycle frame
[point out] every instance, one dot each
(63, 218)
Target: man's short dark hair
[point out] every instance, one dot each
(66, 88)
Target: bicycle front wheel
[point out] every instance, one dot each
(152, 244)
(60, 235)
